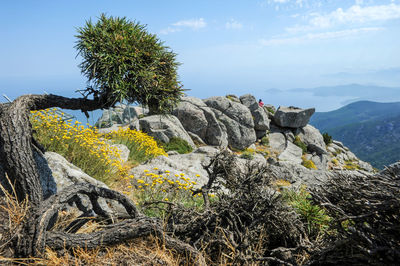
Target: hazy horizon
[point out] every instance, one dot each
(225, 47)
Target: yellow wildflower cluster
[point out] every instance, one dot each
(82, 146)
(140, 144)
(162, 185)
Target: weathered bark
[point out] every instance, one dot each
(16, 157)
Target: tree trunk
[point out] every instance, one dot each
(16, 156)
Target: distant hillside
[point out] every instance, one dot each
(370, 129)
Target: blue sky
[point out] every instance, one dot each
(237, 47)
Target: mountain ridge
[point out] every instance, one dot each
(370, 129)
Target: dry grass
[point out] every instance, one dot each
(12, 216)
(144, 251)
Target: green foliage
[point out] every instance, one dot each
(327, 138)
(297, 141)
(269, 109)
(122, 61)
(247, 154)
(177, 144)
(313, 215)
(265, 141)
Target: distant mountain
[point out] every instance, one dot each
(370, 129)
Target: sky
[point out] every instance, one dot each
(268, 48)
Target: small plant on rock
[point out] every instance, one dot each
(308, 163)
(179, 145)
(297, 141)
(265, 141)
(327, 138)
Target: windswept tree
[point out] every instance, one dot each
(122, 62)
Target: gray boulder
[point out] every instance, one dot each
(233, 98)
(164, 127)
(190, 164)
(124, 151)
(366, 166)
(66, 174)
(237, 120)
(133, 112)
(298, 174)
(320, 161)
(110, 117)
(313, 139)
(234, 110)
(292, 117)
(200, 120)
(291, 153)
(277, 142)
(261, 121)
(239, 136)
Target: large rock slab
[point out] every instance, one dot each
(190, 164)
(260, 116)
(292, 117)
(291, 153)
(277, 141)
(239, 136)
(200, 120)
(234, 110)
(66, 174)
(164, 127)
(237, 120)
(298, 174)
(313, 139)
(120, 114)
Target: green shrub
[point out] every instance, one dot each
(179, 145)
(249, 155)
(327, 138)
(265, 141)
(297, 141)
(270, 109)
(314, 216)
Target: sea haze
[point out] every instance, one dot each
(329, 98)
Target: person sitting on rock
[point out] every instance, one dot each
(260, 103)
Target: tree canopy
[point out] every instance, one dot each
(122, 61)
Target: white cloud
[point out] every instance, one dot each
(319, 36)
(354, 14)
(169, 30)
(191, 23)
(233, 25)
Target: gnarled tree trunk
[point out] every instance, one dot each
(16, 156)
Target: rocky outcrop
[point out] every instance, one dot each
(291, 153)
(261, 121)
(237, 120)
(120, 114)
(175, 164)
(164, 127)
(313, 139)
(66, 174)
(292, 117)
(200, 120)
(277, 142)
